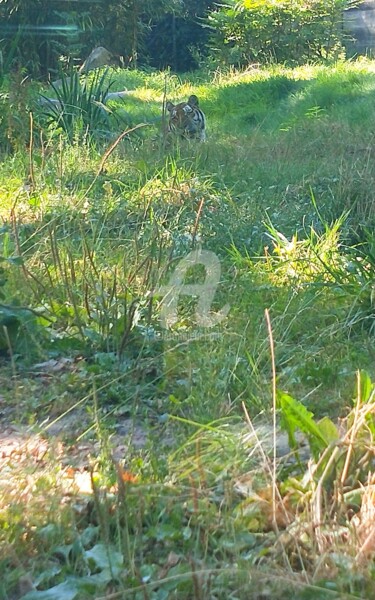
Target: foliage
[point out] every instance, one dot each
(265, 31)
(219, 505)
(151, 471)
(78, 107)
(21, 328)
(37, 32)
(132, 18)
(17, 96)
(170, 33)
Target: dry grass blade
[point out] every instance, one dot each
(353, 431)
(274, 409)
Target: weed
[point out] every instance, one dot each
(78, 108)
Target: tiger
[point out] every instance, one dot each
(187, 119)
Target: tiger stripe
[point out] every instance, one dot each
(187, 119)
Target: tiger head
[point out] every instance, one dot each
(186, 118)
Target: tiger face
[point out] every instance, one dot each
(187, 119)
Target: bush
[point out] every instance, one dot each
(78, 109)
(293, 31)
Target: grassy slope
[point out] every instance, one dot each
(287, 151)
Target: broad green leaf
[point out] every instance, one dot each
(88, 535)
(47, 575)
(296, 416)
(64, 591)
(63, 551)
(92, 582)
(105, 557)
(366, 386)
(329, 430)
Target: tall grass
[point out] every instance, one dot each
(281, 193)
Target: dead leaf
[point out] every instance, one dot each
(172, 560)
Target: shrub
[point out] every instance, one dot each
(283, 30)
(78, 108)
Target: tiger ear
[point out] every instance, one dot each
(193, 101)
(169, 106)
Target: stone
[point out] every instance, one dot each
(99, 57)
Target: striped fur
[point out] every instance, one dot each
(187, 119)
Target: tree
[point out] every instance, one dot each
(126, 24)
(40, 34)
(36, 33)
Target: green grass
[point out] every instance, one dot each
(282, 193)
